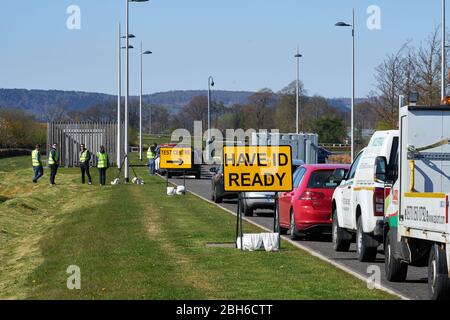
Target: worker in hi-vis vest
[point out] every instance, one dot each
(102, 164)
(37, 163)
(53, 163)
(151, 155)
(85, 157)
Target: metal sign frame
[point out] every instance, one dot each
(239, 223)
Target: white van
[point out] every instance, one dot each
(358, 203)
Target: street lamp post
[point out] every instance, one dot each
(343, 24)
(297, 56)
(119, 97)
(210, 84)
(142, 53)
(127, 86)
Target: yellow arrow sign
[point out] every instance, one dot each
(175, 158)
(258, 169)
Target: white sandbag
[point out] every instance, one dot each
(137, 181)
(181, 190)
(253, 242)
(170, 191)
(250, 242)
(271, 241)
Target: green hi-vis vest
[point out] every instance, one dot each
(53, 160)
(102, 160)
(36, 158)
(150, 154)
(83, 156)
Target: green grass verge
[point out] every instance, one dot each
(134, 242)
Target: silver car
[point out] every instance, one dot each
(251, 201)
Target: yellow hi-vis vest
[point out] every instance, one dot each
(36, 158)
(52, 160)
(83, 156)
(102, 160)
(150, 154)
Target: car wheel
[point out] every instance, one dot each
(213, 194)
(246, 210)
(365, 253)
(293, 231)
(438, 281)
(169, 175)
(396, 270)
(217, 199)
(341, 238)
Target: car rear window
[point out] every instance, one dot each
(322, 180)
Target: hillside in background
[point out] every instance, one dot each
(33, 101)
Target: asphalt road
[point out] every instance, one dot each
(415, 286)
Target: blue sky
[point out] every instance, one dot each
(244, 44)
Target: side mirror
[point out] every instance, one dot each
(380, 169)
(339, 175)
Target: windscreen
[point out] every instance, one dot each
(322, 180)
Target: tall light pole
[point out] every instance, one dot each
(119, 94)
(127, 85)
(119, 97)
(141, 54)
(298, 56)
(210, 84)
(443, 53)
(343, 24)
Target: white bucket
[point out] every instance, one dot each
(181, 190)
(170, 191)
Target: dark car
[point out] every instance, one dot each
(217, 187)
(196, 169)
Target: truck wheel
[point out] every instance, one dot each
(341, 238)
(396, 270)
(438, 281)
(293, 231)
(365, 253)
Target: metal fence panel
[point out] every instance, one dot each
(69, 136)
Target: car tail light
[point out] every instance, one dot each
(387, 192)
(378, 202)
(311, 196)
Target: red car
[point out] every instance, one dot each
(307, 209)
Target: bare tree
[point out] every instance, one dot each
(429, 69)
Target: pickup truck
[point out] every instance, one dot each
(358, 202)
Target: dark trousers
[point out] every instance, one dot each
(38, 173)
(152, 166)
(102, 174)
(53, 171)
(85, 171)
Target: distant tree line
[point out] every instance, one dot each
(20, 130)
